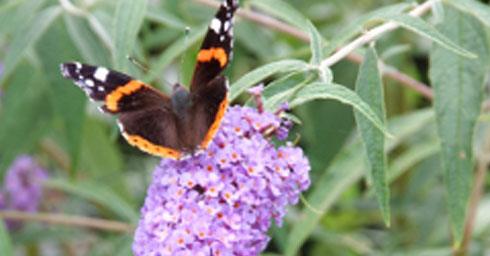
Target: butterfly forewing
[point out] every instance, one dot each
(216, 49)
(145, 115)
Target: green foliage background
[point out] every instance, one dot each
(381, 185)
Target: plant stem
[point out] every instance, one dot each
(371, 35)
(62, 219)
(483, 161)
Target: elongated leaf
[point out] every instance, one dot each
(166, 18)
(25, 115)
(370, 89)
(87, 42)
(17, 14)
(319, 90)
(99, 194)
(424, 29)
(126, 24)
(458, 89)
(414, 155)
(357, 25)
(257, 75)
(68, 101)
(97, 23)
(282, 90)
(476, 8)
(345, 170)
(100, 155)
(282, 10)
(28, 36)
(316, 44)
(5, 241)
(173, 51)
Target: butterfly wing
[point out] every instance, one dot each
(145, 115)
(208, 109)
(216, 49)
(208, 88)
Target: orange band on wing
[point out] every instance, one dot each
(219, 54)
(145, 145)
(112, 99)
(215, 125)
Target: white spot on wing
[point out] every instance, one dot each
(227, 25)
(215, 25)
(101, 74)
(78, 65)
(89, 82)
(100, 88)
(222, 38)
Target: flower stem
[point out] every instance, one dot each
(62, 219)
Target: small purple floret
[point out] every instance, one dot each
(222, 201)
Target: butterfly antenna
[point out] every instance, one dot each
(146, 69)
(138, 64)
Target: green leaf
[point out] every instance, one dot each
(476, 8)
(458, 90)
(126, 24)
(98, 193)
(166, 18)
(17, 14)
(100, 156)
(370, 89)
(345, 170)
(257, 75)
(174, 50)
(411, 157)
(5, 241)
(316, 45)
(25, 114)
(68, 100)
(282, 90)
(26, 37)
(319, 90)
(424, 29)
(358, 25)
(282, 10)
(86, 41)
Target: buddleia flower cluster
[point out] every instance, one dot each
(222, 201)
(22, 188)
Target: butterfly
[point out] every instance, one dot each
(167, 125)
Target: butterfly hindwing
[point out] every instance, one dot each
(153, 130)
(216, 49)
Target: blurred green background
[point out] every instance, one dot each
(94, 172)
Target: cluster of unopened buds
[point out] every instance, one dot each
(223, 200)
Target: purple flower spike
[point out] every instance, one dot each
(22, 190)
(222, 201)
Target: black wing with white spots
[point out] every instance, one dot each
(216, 49)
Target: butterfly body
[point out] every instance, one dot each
(162, 125)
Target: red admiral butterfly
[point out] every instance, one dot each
(162, 125)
